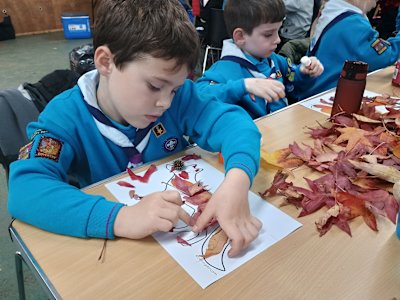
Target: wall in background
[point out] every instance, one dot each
(38, 16)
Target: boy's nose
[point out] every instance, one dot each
(164, 101)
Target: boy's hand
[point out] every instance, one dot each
(314, 69)
(158, 211)
(230, 206)
(266, 88)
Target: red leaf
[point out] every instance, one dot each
(184, 175)
(182, 241)
(125, 184)
(357, 208)
(190, 156)
(145, 178)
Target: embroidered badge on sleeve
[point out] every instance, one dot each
(49, 148)
(380, 45)
(25, 151)
(159, 130)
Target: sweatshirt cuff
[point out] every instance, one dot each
(101, 219)
(244, 162)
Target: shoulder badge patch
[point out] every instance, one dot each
(49, 148)
(159, 130)
(25, 151)
(170, 144)
(380, 45)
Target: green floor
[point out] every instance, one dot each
(25, 59)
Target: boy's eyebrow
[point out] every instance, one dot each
(162, 79)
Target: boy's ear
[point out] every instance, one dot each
(238, 36)
(103, 60)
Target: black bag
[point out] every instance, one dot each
(7, 31)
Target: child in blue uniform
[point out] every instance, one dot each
(248, 62)
(343, 32)
(135, 107)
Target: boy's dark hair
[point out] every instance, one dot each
(248, 14)
(134, 28)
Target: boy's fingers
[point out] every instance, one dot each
(172, 196)
(184, 216)
(203, 220)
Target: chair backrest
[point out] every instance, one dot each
(16, 112)
(216, 29)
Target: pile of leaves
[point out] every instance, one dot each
(358, 159)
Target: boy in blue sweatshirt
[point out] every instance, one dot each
(134, 108)
(343, 32)
(250, 74)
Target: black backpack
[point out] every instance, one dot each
(7, 31)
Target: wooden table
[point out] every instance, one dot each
(301, 266)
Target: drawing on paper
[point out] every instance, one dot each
(184, 177)
(204, 256)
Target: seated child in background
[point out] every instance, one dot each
(249, 73)
(343, 32)
(135, 107)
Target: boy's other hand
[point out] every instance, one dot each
(266, 88)
(230, 206)
(158, 211)
(314, 69)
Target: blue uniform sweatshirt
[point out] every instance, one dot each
(351, 38)
(65, 139)
(225, 79)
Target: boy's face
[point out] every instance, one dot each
(263, 40)
(142, 91)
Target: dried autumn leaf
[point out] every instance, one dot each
(279, 158)
(357, 208)
(125, 184)
(145, 178)
(216, 243)
(396, 150)
(387, 173)
(324, 108)
(353, 136)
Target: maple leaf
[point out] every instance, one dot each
(334, 215)
(357, 208)
(353, 136)
(279, 158)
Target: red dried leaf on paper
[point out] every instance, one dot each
(190, 156)
(182, 241)
(145, 178)
(181, 184)
(324, 108)
(184, 175)
(357, 208)
(198, 198)
(125, 184)
(133, 195)
(196, 188)
(216, 243)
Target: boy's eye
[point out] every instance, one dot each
(173, 92)
(268, 35)
(152, 87)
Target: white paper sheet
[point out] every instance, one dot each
(276, 224)
(318, 103)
